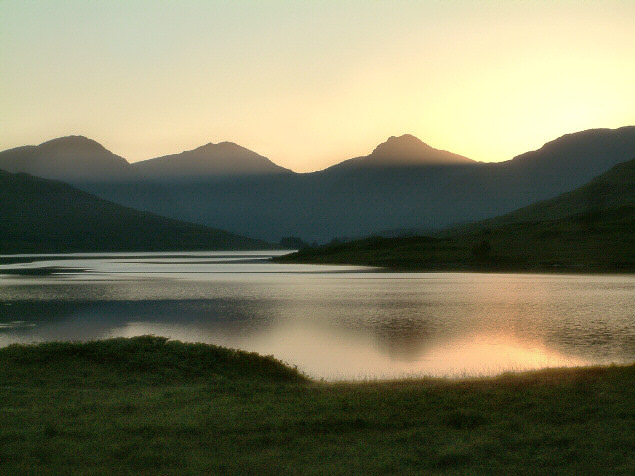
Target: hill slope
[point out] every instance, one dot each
(591, 228)
(38, 215)
(611, 190)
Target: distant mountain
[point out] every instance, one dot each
(402, 184)
(72, 158)
(211, 160)
(562, 164)
(403, 151)
(611, 190)
(588, 229)
(38, 215)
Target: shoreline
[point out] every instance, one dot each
(148, 405)
(457, 268)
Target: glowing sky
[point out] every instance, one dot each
(309, 84)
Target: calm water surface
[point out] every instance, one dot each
(333, 322)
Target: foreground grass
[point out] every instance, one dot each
(147, 405)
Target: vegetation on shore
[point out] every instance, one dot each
(558, 245)
(148, 405)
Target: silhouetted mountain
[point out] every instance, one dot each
(403, 183)
(38, 215)
(590, 228)
(559, 166)
(406, 151)
(612, 190)
(72, 158)
(210, 160)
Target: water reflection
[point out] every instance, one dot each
(332, 322)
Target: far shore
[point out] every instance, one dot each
(292, 258)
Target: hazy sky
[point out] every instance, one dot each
(309, 84)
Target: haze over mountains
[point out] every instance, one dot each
(610, 193)
(403, 183)
(222, 159)
(70, 159)
(590, 228)
(39, 215)
(403, 151)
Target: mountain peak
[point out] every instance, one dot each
(209, 160)
(70, 158)
(403, 151)
(405, 146)
(222, 147)
(73, 142)
(409, 150)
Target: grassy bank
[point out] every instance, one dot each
(147, 405)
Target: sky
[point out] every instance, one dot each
(309, 84)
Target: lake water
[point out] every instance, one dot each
(333, 322)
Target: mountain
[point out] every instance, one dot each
(612, 190)
(587, 229)
(403, 151)
(39, 215)
(402, 184)
(72, 158)
(560, 165)
(210, 160)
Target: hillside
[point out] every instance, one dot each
(38, 215)
(613, 189)
(588, 229)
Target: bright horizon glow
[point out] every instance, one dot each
(309, 84)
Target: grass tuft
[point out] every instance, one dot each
(148, 358)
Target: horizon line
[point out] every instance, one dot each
(315, 170)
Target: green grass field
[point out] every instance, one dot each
(150, 406)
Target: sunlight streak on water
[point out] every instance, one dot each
(333, 322)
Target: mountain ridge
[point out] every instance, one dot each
(612, 189)
(406, 147)
(588, 229)
(361, 200)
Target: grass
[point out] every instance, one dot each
(148, 405)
